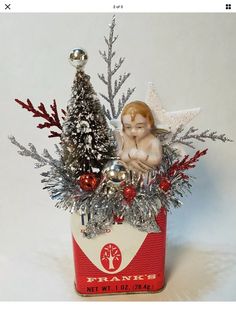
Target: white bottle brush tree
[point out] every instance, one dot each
(86, 138)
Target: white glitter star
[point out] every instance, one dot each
(164, 119)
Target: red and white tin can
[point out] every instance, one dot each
(123, 260)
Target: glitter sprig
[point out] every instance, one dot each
(31, 152)
(191, 134)
(41, 112)
(113, 113)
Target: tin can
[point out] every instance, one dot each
(122, 260)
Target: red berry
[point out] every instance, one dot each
(165, 184)
(129, 193)
(88, 182)
(118, 219)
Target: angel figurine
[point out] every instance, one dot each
(139, 148)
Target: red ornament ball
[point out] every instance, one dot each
(88, 182)
(165, 184)
(129, 193)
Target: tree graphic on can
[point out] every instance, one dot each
(110, 257)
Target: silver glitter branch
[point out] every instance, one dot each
(191, 135)
(31, 152)
(56, 180)
(118, 83)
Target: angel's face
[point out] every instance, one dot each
(136, 128)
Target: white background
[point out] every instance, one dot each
(191, 60)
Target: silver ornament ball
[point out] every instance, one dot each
(78, 58)
(115, 171)
(110, 190)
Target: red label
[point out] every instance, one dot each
(145, 272)
(110, 257)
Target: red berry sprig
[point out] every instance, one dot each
(186, 163)
(41, 112)
(177, 170)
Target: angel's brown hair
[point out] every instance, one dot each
(138, 107)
